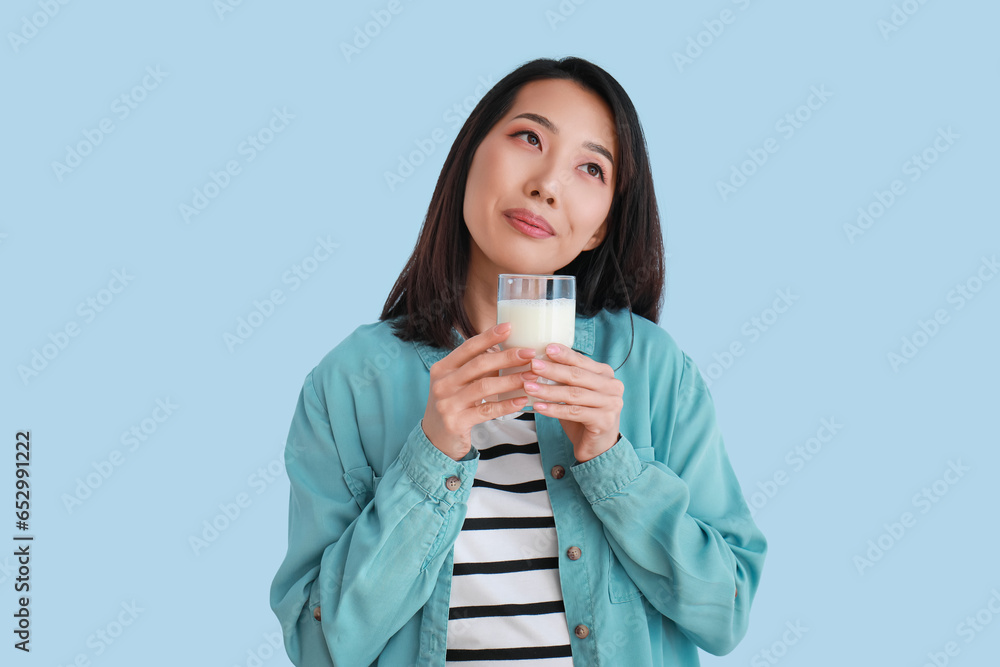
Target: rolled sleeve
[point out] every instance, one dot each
(430, 468)
(608, 473)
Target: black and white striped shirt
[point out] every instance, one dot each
(506, 601)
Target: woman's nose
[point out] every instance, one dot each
(549, 199)
(547, 184)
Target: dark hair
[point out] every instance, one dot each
(429, 290)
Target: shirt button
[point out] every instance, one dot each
(316, 613)
(581, 631)
(574, 553)
(558, 472)
(453, 483)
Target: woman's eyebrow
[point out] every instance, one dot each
(547, 124)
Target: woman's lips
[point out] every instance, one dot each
(515, 220)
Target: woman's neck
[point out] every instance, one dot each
(480, 301)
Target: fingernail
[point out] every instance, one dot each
(528, 376)
(552, 349)
(526, 353)
(537, 364)
(530, 386)
(501, 328)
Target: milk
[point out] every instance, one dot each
(535, 323)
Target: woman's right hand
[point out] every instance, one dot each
(460, 382)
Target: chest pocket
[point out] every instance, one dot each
(621, 588)
(644, 453)
(362, 482)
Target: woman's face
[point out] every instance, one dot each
(552, 156)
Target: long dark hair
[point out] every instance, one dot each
(428, 292)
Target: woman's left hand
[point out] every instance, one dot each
(592, 396)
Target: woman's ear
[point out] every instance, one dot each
(598, 236)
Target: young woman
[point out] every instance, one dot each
(431, 523)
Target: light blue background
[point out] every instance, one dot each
(162, 337)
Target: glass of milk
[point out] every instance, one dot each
(541, 309)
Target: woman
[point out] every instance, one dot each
(430, 522)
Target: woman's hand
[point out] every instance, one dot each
(592, 396)
(460, 382)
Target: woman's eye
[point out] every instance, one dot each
(594, 170)
(532, 139)
(531, 135)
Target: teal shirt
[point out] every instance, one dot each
(670, 557)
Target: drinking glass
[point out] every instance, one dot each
(541, 309)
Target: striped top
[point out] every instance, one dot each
(506, 600)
